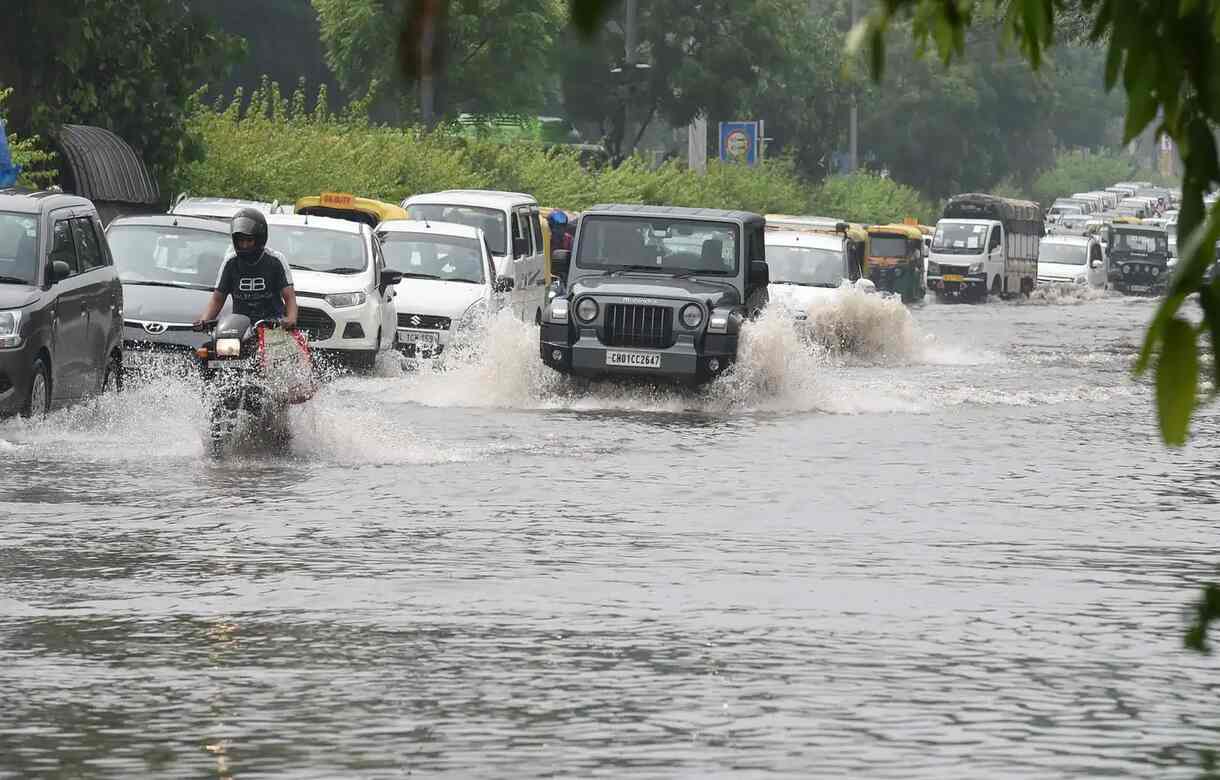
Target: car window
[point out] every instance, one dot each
(63, 248)
(521, 220)
(536, 224)
(88, 249)
(994, 243)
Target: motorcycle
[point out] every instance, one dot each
(250, 392)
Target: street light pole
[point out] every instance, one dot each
(630, 41)
(853, 126)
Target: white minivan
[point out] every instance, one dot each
(512, 225)
(1072, 260)
(449, 282)
(345, 294)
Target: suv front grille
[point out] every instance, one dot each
(423, 322)
(629, 325)
(315, 322)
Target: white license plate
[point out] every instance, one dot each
(633, 359)
(421, 339)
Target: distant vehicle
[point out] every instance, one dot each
(512, 225)
(1071, 225)
(895, 261)
(345, 293)
(656, 291)
(1072, 260)
(221, 208)
(449, 282)
(985, 245)
(61, 303)
(1060, 210)
(1139, 258)
(169, 266)
(807, 267)
(344, 205)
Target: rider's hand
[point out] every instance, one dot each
(287, 324)
(198, 326)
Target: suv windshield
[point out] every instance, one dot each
(448, 258)
(492, 222)
(957, 239)
(1139, 242)
(155, 254)
(667, 245)
(1066, 254)
(18, 248)
(319, 249)
(805, 265)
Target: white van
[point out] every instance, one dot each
(511, 223)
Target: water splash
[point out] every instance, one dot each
(1066, 295)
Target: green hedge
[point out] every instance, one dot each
(865, 197)
(1080, 172)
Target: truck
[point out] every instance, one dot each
(985, 245)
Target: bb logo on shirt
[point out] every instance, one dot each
(252, 284)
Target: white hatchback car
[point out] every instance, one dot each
(449, 282)
(345, 295)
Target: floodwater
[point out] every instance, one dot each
(958, 550)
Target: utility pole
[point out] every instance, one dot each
(853, 127)
(630, 44)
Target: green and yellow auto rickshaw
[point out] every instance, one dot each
(895, 260)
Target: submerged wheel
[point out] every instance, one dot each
(38, 399)
(112, 379)
(997, 288)
(365, 359)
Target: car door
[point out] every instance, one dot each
(1097, 276)
(522, 250)
(99, 301)
(995, 253)
(388, 296)
(70, 372)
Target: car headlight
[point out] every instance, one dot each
(977, 268)
(692, 315)
(10, 329)
(345, 300)
(558, 310)
(586, 310)
(933, 268)
(228, 347)
(1156, 271)
(722, 321)
(1082, 279)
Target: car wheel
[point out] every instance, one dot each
(113, 378)
(38, 399)
(997, 288)
(366, 359)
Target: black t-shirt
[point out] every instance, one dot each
(256, 287)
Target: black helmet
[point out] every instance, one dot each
(249, 223)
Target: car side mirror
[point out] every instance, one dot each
(561, 259)
(389, 278)
(1095, 264)
(760, 273)
(521, 247)
(59, 271)
(504, 284)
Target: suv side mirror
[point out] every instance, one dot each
(521, 247)
(389, 278)
(760, 273)
(504, 284)
(59, 271)
(560, 260)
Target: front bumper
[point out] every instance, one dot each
(352, 328)
(1138, 278)
(15, 367)
(690, 360)
(958, 284)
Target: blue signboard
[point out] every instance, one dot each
(8, 171)
(739, 142)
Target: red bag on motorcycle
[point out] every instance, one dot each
(287, 364)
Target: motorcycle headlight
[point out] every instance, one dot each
(10, 329)
(586, 310)
(558, 310)
(692, 316)
(228, 347)
(345, 300)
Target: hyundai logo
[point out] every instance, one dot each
(415, 320)
(154, 327)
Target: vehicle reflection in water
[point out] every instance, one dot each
(973, 557)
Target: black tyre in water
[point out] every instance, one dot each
(38, 397)
(113, 378)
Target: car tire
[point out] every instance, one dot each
(112, 378)
(365, 359)
(38, 394)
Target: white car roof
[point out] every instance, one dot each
(304, 220)
(495, 199)
(421, 226)
(1059, 238)
(803, 238)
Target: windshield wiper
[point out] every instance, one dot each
(420, 276)
(14, 280)
(159, 283)
(465, 280)
(342, 270)
(624, 268)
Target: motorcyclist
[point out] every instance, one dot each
(258, 278)
(557, 221)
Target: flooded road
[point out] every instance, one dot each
(962, 554)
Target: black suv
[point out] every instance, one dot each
(61, 304)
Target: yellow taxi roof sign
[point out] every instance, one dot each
(910, 221)
(338, 200)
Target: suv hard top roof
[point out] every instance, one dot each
(327, 223)
(497, 199)
(673, 212)
(173, 220)
(23, 201)
(219, 208)
(428, 226)
(1067, 238)
(821, 240)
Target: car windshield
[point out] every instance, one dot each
(805, 265)
(167, 255)
(667, 245)
(448, 258)
(956, 239)
(887, 246)
(492, 222)
(310, 248)
(1065, 254)
(18, 248)
(1140, 242)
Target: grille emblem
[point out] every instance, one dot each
(154, 327)
(415, 320)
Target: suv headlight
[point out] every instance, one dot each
(586, 310)
(692, 316)
(345, 300)
(10, 329)
(558, 310)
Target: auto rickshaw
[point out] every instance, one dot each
(895, 260)
(344, 205)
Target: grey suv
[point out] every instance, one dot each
(61, 303)
(655, 291)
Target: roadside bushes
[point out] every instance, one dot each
(37, 163)
(866, 197)
(1079, 172)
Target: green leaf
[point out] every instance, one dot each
(1177, 378)
(588, 15)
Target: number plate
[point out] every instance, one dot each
(952, 277)
(416, 337)
(633, 359)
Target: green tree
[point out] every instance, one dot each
(127, 65)
(29, 153)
